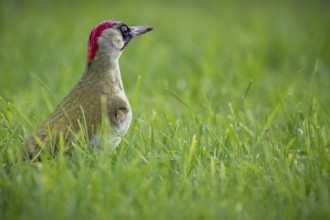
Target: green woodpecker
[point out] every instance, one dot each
(100, 84)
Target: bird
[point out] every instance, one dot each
(100, 86)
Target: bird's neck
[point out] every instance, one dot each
(105, 71)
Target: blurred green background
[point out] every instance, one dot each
(248, 80)
(199, 48)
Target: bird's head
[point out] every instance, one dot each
(109, 38)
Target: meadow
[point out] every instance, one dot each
(231, 106)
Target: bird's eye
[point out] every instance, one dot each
(124, 29)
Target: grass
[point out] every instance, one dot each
(231, 111)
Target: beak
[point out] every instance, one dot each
(134, 32)
(138, 30)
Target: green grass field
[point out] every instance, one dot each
(231, 105)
